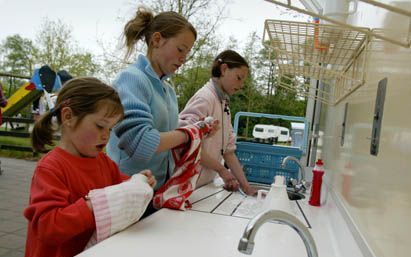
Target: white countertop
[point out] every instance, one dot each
(215, 225)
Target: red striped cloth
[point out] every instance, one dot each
(175, 192)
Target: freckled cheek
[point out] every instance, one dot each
(89, 138)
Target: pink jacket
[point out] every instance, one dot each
(206, 102)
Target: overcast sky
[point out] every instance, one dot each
(103, 19)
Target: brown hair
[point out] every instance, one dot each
(84, 95)
(229, 57)
(144, 24)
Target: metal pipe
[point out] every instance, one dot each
(246, 244)
(388, 7)
(301, 169)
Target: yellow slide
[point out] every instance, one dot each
(25, 95)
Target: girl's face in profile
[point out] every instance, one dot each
(232, 80)
(89, 137)
(170, 53)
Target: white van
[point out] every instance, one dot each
(271, 133)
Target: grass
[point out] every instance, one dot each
(19, 155)
(15, 141)
(18, 141)
(16, 154)
(4, 140)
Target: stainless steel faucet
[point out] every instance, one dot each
(301, 184)
(246, 244)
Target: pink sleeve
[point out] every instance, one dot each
(231, 140)
(197, 108)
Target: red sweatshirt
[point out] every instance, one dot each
(60, 223)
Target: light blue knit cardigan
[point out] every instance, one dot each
(150, 107)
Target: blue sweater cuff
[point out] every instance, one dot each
(147, 146)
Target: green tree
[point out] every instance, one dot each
(265, 92)
(193, 76)
(82, 64)
(205, 15)
(59, 50)
(55, 46)
(248, 99)
(188, 82)
(17, 55)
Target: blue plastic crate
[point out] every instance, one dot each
(262, 162)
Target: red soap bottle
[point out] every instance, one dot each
(318, 172)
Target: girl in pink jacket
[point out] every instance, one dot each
(229, 71)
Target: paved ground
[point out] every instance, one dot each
(14, 193)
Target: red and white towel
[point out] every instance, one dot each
(117, 207)
(175, 192)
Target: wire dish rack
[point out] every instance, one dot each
(333, 54)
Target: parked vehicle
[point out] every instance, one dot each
(271, 133)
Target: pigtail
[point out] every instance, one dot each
(42, 133)
(136, 29)
(145, 24)
(84, 95)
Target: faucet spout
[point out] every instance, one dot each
(301, 169)
(246, 244)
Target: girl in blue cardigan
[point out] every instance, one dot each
(143, 139)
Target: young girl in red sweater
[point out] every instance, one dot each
(60, 213)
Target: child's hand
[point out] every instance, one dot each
(249, 190)
(230, 182)
(151, 180)
(215, 126)
(206, 126)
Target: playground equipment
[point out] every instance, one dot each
(24, 96)
(43, 82)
